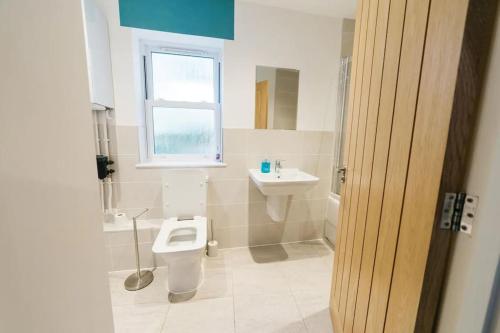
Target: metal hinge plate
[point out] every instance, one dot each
(459, 210)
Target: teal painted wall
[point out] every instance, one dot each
(211, 18)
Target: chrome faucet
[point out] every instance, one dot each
(277, 166)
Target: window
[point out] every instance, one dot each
(182, 103)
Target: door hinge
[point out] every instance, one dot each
(459, 210)
(342, 174)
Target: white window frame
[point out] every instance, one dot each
(147, 49)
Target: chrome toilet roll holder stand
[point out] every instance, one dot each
(139, 279)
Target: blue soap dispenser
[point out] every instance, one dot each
(265, 166)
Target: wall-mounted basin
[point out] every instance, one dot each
(278, 187)
(286, 182)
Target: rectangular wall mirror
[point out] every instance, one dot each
(276, 96)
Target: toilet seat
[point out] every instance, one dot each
(176, 236)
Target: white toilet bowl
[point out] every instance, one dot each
(182, 238)
(181, 244)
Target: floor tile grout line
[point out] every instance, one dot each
(232, 293)
(165, 319)
(292, 294)
(300, 313)
(297, 304)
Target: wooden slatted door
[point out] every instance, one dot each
(400, 131)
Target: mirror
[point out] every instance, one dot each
(276, 96)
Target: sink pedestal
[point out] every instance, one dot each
(277, 206)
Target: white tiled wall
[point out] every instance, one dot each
(120, 251)
(235, 205)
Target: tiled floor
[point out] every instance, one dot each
(276, 288)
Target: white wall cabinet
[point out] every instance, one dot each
(98, 56)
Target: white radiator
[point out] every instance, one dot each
(332, 210)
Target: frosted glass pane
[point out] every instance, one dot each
(183, 131)
(183, 78)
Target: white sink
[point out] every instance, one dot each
(286, 182)
(279, 187)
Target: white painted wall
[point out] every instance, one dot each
(51, 241)
(333, 8)
(475, 259)
(281, 38)
(275, 37)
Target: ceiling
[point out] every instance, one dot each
(332, 8)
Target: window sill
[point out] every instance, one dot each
(179, 165)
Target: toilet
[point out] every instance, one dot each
(182, 238)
